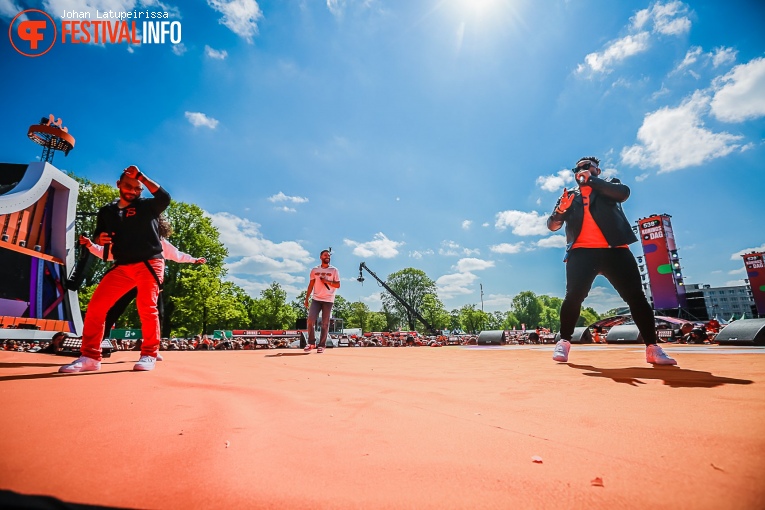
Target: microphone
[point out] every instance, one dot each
(581, 179)
(107, 249)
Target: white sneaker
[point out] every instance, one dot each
(81, 364)
(145, 363)
(656, 356)
(159, 357)
(561, 350)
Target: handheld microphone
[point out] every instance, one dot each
(581, 179)
(107, 249)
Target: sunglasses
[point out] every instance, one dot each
(585, 166)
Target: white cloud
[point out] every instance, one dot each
(336, 7)
(284, 208)
(640, 19)
(179, 49)
(466, 224)
(472, 264)
(616, 51)
(486, 224)
(741, 270)
(502, 302)
(556, 241)
(453, 249)
(722, 56)
(675, 138)
(554, 183)
(740, 94)
(8, 9)
(691, 57)
(735, 283)
(419, 254)
(373, 299)
(380, 246)
(670, 18)
(451, 285)
(259, 258)
(522, 223)
(738, 254)
(603, 299)
(215, 54)
(281, 197)
(239, 16)
(508, 248)
(198, 119)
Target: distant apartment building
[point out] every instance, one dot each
(721, 302)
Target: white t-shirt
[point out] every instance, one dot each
(322, 292)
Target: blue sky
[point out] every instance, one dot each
(433, 134)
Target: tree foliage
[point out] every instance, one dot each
(411, 285)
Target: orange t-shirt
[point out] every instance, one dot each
(590, 235)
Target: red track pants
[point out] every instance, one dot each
(113, 286)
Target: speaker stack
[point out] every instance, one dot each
(743, 332)
(624, 334)
(491, 337)
(581, 336)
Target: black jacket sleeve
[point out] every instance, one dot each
(160, 201)
(613, 189)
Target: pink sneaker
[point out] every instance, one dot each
(656, 356)
(81, 364)
(308, 347)
(561, 350)
(145, 363)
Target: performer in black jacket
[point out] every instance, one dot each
(129, 229)
(597, 238)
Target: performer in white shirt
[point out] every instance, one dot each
(323, 282)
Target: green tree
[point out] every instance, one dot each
(550, 316)
(527, 309)
(193, 233)
(271, 310)
(434, 312)
(358, 316)
(377, 321)
(298, 305)
(495, 320)
(511, 321)
(411, 285)
(472, 320)
(207, 303)
(454, 320)
(341, 309)
(587, 317)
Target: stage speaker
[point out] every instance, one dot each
(492, 337)
(624, 334)
(580, 336)
(743, 332)
(301, 323)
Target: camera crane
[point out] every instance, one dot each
(406, 305)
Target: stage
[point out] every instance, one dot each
(375, 428)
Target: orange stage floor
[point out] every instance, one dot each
(375, 428)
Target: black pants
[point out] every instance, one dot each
(619, 267)
(119, 308)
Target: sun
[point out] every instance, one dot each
(478, 8)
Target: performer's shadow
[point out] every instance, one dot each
(672, 376)
(22, 377)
